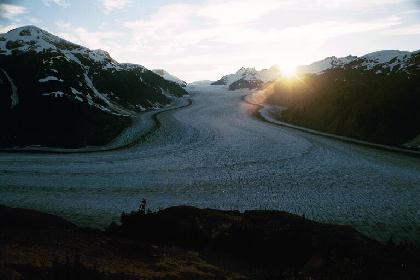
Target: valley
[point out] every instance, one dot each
(209, 140)
(216, 154)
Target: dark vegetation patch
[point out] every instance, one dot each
(274, 243)
(190, 243)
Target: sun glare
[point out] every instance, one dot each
(289, 71)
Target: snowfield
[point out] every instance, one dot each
(216, 154)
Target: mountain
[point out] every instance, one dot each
(170, 77)
(201, 83)
(381, 61)
(325, 64)
(249, 78)
(57, 93)
(374, 97)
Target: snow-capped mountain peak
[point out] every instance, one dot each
(249, 77)
(245, 71)
(34, 39)
(387, 59)
(387, 55)
(390, 60)
(325, 64)
(164, 74)
(52, 53)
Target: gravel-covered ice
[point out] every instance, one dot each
(214, 153)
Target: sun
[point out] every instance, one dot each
(289, 71)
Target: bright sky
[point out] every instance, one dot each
(204, 39)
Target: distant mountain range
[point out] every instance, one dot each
(201, 83)
(249, 78)
(382, 62)
(57, 93)
(375, 97)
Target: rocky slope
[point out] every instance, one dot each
(56, 93)
(374, 97)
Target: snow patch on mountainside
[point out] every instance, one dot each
(75, 91)
(56, 94)
(130, 66)
(388, 59)
(164, 74)
(77, 94)
(391, 60)
(89, 83)
(50, 78)
(14, 96)
(325, 64)
(111, 107)
(386, 56)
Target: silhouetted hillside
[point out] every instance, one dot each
(190, 243)
(375, 103)
(56, 93)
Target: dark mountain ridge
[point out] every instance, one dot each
(373, 98)
(56, 93)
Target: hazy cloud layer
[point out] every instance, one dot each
(11, 11)
(224, 35)
(111, 5)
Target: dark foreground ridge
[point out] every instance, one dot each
(189, 243)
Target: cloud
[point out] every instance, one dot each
(353, 4)
(11, 11)
(112, 5)
(181, 25)
(402, 31)
(7, 27)
(232, 33)
(62, 3)
(91, 39)
(205, 39)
